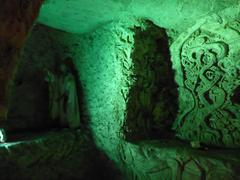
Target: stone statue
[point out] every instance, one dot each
(63, 97)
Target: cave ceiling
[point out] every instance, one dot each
(81, 16)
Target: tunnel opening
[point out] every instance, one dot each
(152, 106)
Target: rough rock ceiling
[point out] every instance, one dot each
(80, 16)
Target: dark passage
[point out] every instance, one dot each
(152, 105)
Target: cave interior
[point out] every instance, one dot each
(120, 89)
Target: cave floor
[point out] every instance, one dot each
(56, 154)
(61, 153)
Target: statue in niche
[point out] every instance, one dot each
(63, 96)
(207, 64)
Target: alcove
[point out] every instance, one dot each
(152, 103)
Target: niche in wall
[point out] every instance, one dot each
(29, 98)
(152, 105)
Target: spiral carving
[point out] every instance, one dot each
(206, 61)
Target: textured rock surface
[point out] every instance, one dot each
(206, 59)
(105, 66)
(71, 155)
(103, 59)
(29, 98)
(16, 19)
(54, 155)
(175, 160)
(80, 16)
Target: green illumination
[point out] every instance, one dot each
(82, 16)
(104, 62)
(63, 96)
(3, 137)
(206, 64)
(206, 60)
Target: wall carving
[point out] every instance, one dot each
(177, 161)
(207, 64)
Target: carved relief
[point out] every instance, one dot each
(144, 161)
(207, 61)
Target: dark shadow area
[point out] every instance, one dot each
(236, 96)
(57, 154)
(152, 105)
(29, 100)
(28, 107)
(47, 150)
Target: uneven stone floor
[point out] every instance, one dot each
(54, 155)
(69, 154)
(177, 160)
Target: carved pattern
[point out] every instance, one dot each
(154, 162)
(208, 73)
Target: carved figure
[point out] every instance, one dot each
(63, 96)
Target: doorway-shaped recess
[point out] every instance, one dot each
(152, 105)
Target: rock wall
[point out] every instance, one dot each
(17, 17)
(105, 64)
(29, 106)
(152, 101)
(206, 59)
(83, 16)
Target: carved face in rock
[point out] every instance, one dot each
(207, 64)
